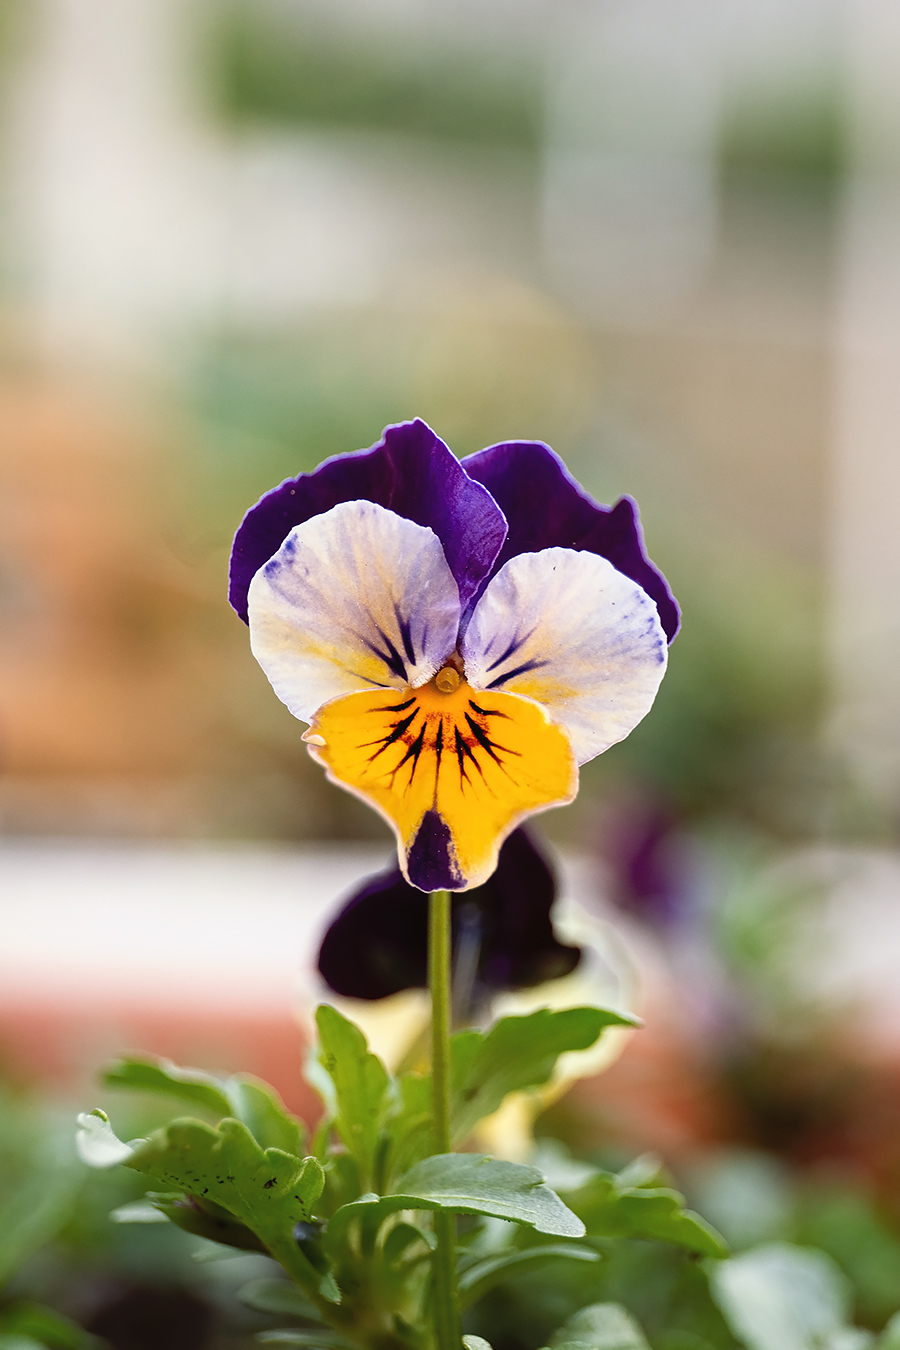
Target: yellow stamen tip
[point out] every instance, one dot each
(447, 679)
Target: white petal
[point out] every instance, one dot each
(565, 628)
(356, 598)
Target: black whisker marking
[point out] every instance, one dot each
(406, 635)
(464, 750)
(505, 750)
(519, 670)
(368, 679)
(413, 752)
(487, 712)
(399, 730)
(392, 659)
(482, 738)
(397, 707)
(514, 646)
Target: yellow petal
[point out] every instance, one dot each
(453, 773)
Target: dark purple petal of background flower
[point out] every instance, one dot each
(378, 944)
(410, 471)
(546, 508)
(648, 876)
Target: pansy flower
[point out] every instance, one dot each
(460, 636)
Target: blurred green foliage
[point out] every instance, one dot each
(797, 129)
(267, 65)
(39, 1181)
(734, 731)
(664, 1289)
(757, 1200)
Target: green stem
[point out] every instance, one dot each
(448, 1334)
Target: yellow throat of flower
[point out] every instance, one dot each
(478, 759)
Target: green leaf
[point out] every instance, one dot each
(601, 1326)
(278, 1296)
(360, 1083)
(44, 1326)
(644, 1170)
(518, 1053)
(13, 1341)
(409, 1126)
(316, 1340)
(475, 1282)
(211, 1253)
(265, 1115)
(610, 1209)
(162, 1076)
(401, 1238)
(779, 1297)
(469, 1183)
(266, 1190)
(242, 1096)
(890, 1337)
(36, 1206)
(208, 1221)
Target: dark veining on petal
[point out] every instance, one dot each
(487, 712)
(391, 658)
(367, 679)
(413, 752)
(463, 752)
(406, 637)
(511, 649)
(485, 741)
(397, 707)
(400, 728)
(470, 741)
(518, 670)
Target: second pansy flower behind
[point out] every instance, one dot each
(460, 636)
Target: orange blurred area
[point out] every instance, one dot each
(48, 1043)
(100, 667)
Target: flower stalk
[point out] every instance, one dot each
(448, 1333)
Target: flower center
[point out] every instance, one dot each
(447, 680)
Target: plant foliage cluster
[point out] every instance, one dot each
(606, 1261)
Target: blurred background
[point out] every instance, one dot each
(237, 236)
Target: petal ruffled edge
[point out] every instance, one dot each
(411, 472)
(569, 631)
(546, 507)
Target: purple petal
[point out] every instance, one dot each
(547, 508)
(431, 860)
(648, 870)
(378, 943)
(411, 472)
